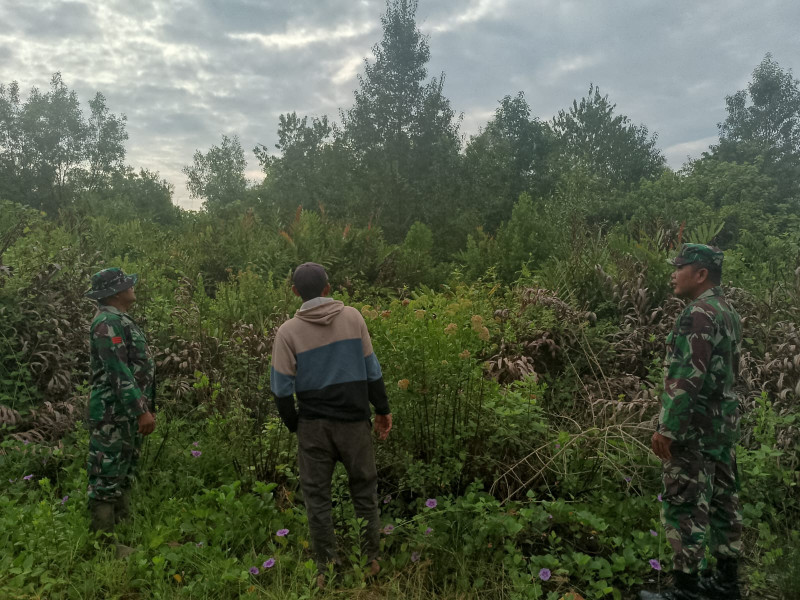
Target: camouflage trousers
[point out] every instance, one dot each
(701, 507)
(113, 455)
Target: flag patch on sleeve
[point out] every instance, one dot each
(116, 340)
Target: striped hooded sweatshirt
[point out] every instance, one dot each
(324, 356)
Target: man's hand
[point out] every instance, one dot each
(383, 425)
(147, 423)
(661, 446)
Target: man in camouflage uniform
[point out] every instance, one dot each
(122, 399)
(697, 432)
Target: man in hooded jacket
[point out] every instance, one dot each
(324, 356)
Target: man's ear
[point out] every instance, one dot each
(326, 290)
(701, 275)
(294, 291)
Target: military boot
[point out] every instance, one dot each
(684, 588)
(102, 515)
(723, 582)
(122, 509)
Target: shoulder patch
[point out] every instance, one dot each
(116, 340)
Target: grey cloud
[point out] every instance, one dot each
(657, 63)
(142, 10)
(178, 123)
(50, 20)
(210, 21)
(6, 55)
(186, 71)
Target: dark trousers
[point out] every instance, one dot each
(322, 442)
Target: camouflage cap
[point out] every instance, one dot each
(700, 254)
(110, 281)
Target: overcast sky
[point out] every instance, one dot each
(187, 71)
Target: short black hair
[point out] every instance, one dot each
(714, 274)
(310, 280)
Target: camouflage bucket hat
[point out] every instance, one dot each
(108, 282)
(700, 254)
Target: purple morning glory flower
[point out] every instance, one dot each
(387, 499)
(550, 517)
(659, 498)
(195, 444)
(628, 479)
(414, 556)
(655, 564)
(431, 503)
(558, 446)
(388, 529)
(544, 574)
(28, 477)
(282, 532)
(196, 453)
(253, 570)
(654, 533)
(269, 563)
(11, 480)
(428, 531)
(64, 499)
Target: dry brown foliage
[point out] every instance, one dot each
(49, 336)
(537, 350)
(619, 391)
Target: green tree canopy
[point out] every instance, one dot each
(130, 196)
(401, 131)
(217, 177)
(50, 152)
(310, 170)
(590, 135)
(507, 158)
(763, 123)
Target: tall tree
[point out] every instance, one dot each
(763, 123)
(217, 177)
(105, 143)
(401, 131)
(12, 162)
(504, 160)
(767, 112)
(49, 152)
(130, 195)
(310, 170)
(592, 137)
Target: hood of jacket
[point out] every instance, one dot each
(322, 314)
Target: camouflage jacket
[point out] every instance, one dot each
(698, 405)
(123, 370)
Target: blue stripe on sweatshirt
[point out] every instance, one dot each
(373, 368)
(280, 384)
(339, 362)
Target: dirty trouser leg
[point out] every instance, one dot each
(113, 450)
(687, 478)
(316, 458)
(725, 531)
(354, 442)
